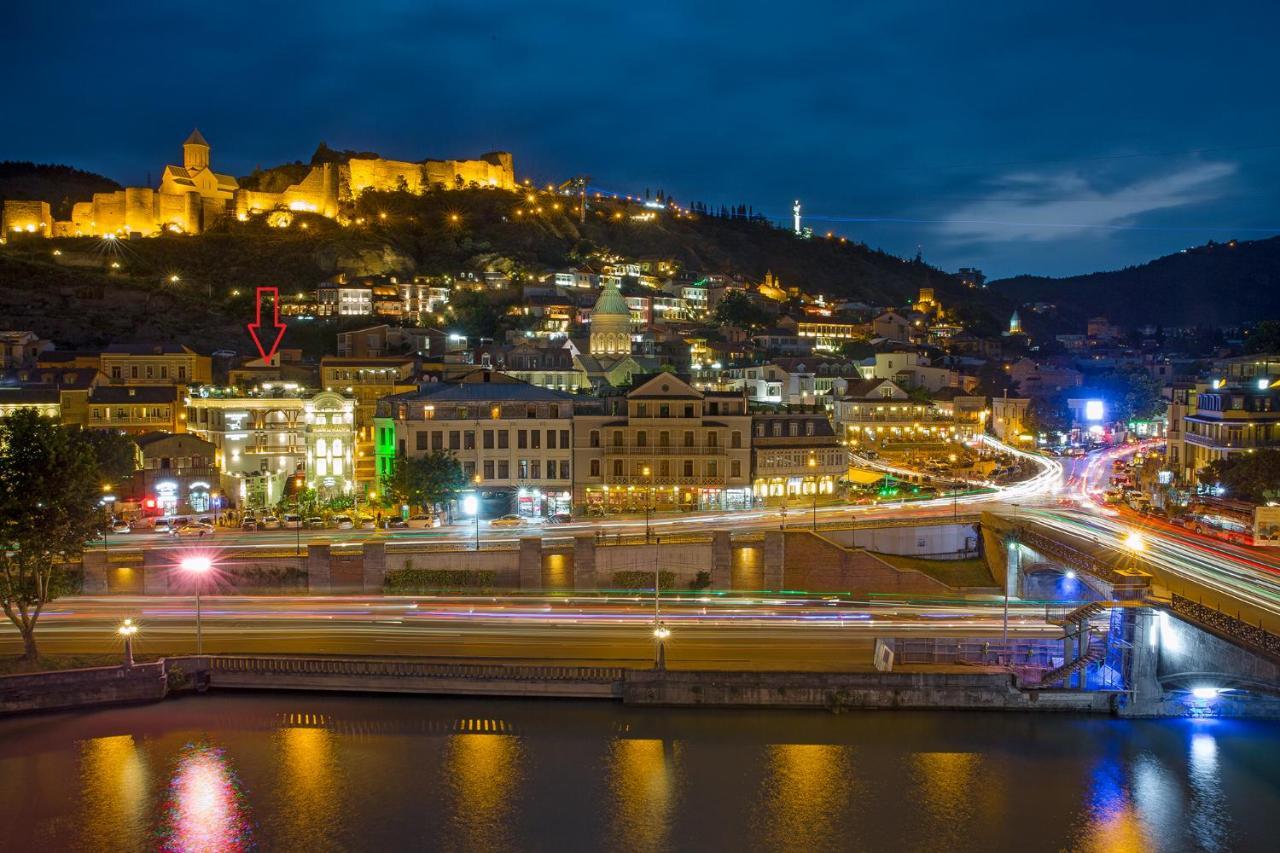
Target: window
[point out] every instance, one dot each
(713, 439)
(617, 468)
(469, 440)
(535, 469)
(524, 470)
(664, 468)
(595, 467)
(735, 439)
(564, 469)
(760, 430)
(535, 438)
(642, 410)
(504, 469)
(688, 411)
(555, 410)
(488, 439)
(688, 468)
(531, 410)
(115, 372)
(793, 429)
(642, 439)
(735, 468)
(808, 427)
(711, 468)
(617, 439)
(503, 440)
(593, 439)
(688, 438)
(133, 372)
(164, 371)
(522, 438)
(469, 468)
(664, 411)
(551, 439)
(715, 408)
(777, 429)
(488, 469)
(437, 441)
(150, 372)
(564, 439)
(454, 442)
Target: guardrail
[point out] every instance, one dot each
(1076, 559)
(1229, 627)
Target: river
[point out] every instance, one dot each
(307, 772)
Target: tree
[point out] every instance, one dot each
(1132, 393)
(116, 453)
(737, 309)
(427, 481)
(1251, 477)
(50, 493)
(1263, 338)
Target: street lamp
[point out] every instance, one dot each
(1134, 542)
(198, 567)
(813, 463)
(660, 633)
(648, 505)
(126, 630)
(471, 506)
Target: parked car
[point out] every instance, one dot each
(119, 526)
(171, 525)
(196, 528)
(420, 521)
(367, 523)
(315, 522)
(343, 522)
(249, 524)
(507, 521)
(269, 522)
(397, 524)
(291, 521)
(560, 518)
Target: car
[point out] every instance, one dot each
(269, 522)
(343, 522)
(397, 524)
(118, 526)
(315, 522)
(196, 528)
(367, 523)
(560, 518)
(507, 521)
(291, 521)
(421, 521)
(170, 525)
(249, 524)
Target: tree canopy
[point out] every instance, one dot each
(50, 505)
(429, 480)
(1251, 477)
(737, 309)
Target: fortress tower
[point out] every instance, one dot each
(195, 152)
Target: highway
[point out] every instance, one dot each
(712, 631)
(1047, 481)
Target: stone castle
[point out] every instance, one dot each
(191, 197)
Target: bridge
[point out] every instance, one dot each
(1131, 631)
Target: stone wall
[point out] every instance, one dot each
(31, 217)
(815, 563)
(75, 688)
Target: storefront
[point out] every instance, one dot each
(536, 503)
(633, 499)
(778, 490)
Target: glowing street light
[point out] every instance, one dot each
(660, 633)
(126, 630)
(1134, 542)
(198, 567)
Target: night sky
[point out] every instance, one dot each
(1050, 138)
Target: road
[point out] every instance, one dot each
(1241, 581)
(1047, 481)
(715, 631)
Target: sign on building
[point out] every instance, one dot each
(1266, 526)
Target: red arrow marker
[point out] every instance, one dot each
(275, 332)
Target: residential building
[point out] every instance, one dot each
(21, 349)
(891, 325)
(878, 414)
(513, 439)
(795, 457)
(136, 409)
(45, 400)
(830, 336)
(155, 364)
(912, 370)
(368, 380)
(269, 442)
(177, 471)
(1229, 420)
(667, 445)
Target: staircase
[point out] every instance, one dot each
(1096, 652)
(1083, 613)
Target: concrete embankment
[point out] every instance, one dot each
(82, 688)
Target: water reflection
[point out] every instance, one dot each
(113, 781)
(205, 811)
(1113, 823)
(308, 787)
(805, 790)
(950, 787)
(481, 774)
(1210, 822)
(642, 785)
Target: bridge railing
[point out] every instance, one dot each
(410, 669)
(1230, 627)
(1076, 559)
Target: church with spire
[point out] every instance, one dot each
(609, 361)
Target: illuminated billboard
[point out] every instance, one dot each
(1094, 410)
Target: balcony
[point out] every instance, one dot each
(657, 481)
(650, 450)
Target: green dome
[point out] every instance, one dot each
(611, 301)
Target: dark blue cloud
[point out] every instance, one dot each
(979, 132)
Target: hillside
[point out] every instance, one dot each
(78, 298)
(1218, 284)
(61, 186)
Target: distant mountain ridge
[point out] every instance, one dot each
(1217, 284)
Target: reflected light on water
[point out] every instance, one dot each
(806, 786)
(1113, 824)
(642, 785)
(482, 772)
(308, 787)
(204, 811)
(113, 778)
(950, 788)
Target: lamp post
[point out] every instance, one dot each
(197, 567)
(109, 501)
(126, 630)
(471, 506)
(648, 504)
(813, 463)
(660, 633)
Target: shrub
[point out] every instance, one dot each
(702, 580)
(643, 580)
(408, 581)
